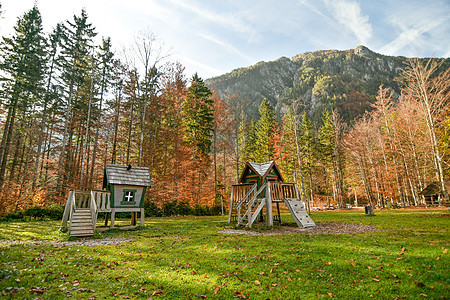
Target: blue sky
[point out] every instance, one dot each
(215, 37)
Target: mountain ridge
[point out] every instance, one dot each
(346, 80)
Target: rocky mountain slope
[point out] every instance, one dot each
(345, 80)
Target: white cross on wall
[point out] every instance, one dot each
(129, 196)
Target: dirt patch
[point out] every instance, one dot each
(321, 228)
(435, 216)
(78, 243)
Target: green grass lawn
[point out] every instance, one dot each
(185, 257)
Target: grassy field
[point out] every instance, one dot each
(186, 258)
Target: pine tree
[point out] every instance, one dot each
(198, 116)
(265, 129)
(289, 145)
(24, 64)
(50, 97)
(76, 65)
(250, 142)
(242, 144)
(308, 149)
(105, 69)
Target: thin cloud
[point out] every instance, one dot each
(230, 48)
(349, 14)
(198, 66)
(228, 21)
(410, 36)
(315, 10)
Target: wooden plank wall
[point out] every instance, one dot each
(281, 190)
(239, 192)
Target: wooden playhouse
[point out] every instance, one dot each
(124, 191)
(261, 184)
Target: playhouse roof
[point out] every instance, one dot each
(126, 175)
(262, 169)
(434, 188)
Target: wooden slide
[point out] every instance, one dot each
(299, 213)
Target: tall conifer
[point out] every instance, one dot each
(265, 129)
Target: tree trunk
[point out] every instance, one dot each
(6, 140)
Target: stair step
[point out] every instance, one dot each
(82, 233)
(82, 220)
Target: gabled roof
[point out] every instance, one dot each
(126, 175)
(434, 188)
(262, 169)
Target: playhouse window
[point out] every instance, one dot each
(129, 197)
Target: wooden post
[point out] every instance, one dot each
(269, 214)
(113, 215)
(106, 219)
(142, 218)
(279, 215)
(133, 218)
(231, 204)
(67, 209)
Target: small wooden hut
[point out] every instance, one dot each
(125, 191)
(127, 185)
(432, 193)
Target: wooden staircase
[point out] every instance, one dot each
(81, 223)
(82, 209)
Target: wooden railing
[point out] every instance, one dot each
(240, 191)
(96, 201)
(239, 194)
(281, 190)
(102, 200)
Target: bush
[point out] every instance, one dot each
(170, 209)
(13, 216)
(35, 212)
(53, 212)
(217, 210)
(152, 210)
(201, 210)
(184, 209)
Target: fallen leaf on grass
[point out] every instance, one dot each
(420, 284)
(216, 289)
(445, 251)
(157, 292)
(239, 295)
(374, 279)
(257, 282)
(38, 290)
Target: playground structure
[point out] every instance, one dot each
(261, 185)
(125, 188)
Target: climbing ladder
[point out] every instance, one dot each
(298, 213)
(81, 211)
(252, 201)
